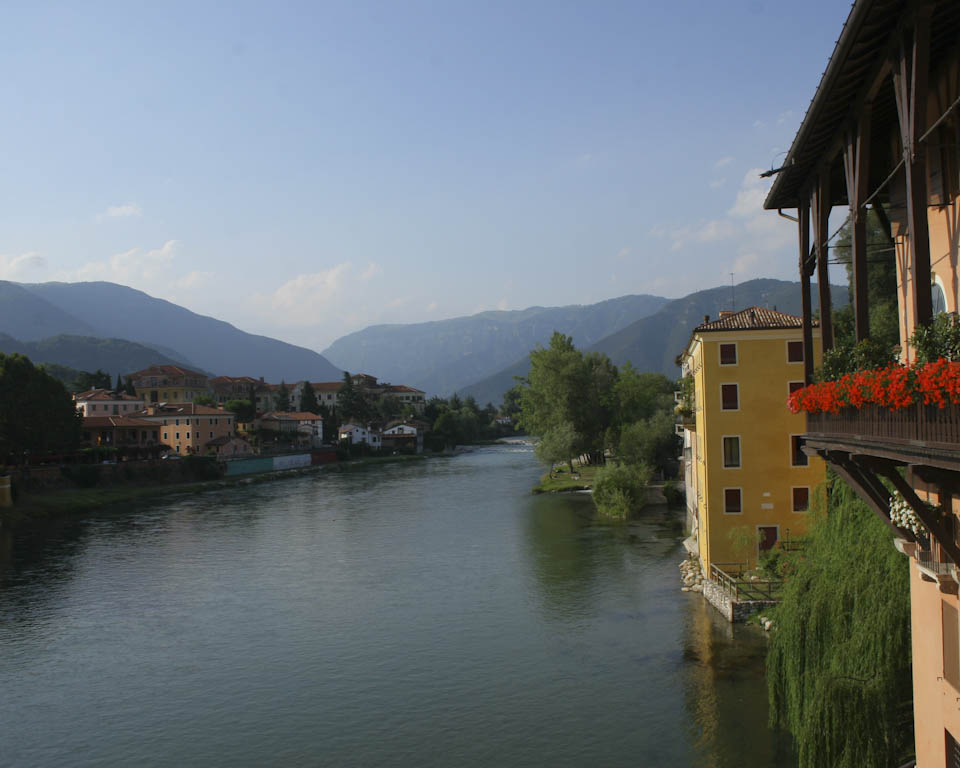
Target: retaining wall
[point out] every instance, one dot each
(733, 611)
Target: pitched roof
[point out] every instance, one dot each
(224, 439)
(404, 388)
(104, 394)
(182, 409)
(103, 422)
(326, 386)
(751, 319)
(292, 416)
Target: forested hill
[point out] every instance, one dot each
(445, 355)
(30, 312)
(88, 353)
(653, 343)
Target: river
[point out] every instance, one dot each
(427, 613)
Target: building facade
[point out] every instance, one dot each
(188, 427)
(751, 484)
(169, 384)
(882, 134)
(106, 402)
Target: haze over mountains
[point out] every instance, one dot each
(29, 312)
(443, 356)
(120, 330)
(652, 343)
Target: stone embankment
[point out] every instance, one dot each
(691, 575)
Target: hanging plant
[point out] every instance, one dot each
(903, 516)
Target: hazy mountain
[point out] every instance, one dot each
(440, 357)
(88, 353)
(653, 343)
(28, 317)
(111, 310)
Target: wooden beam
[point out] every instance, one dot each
(910, 83)
(803, 224)
(869, 488)
(856, 165)
(820, 205)
(942, 536)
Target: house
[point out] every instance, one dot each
(169, 384)
(106, 402)
(415, 398)
(357, 435)
(305, 426)
(751, 482)
(403, 437)
(226, 388)
(188, 427)
(119, 432)
(228, 446)
(883, 131)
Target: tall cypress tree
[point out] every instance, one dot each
(308, 399)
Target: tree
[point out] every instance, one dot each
(119, 387)
(512, 399)
(242, 409)
(37, 413)
(559, 443)
(128, 387)
(838, 665)
(653, 441)
(283, 397)
(388, 407)
(97, 380)
(205, 399)
(308, 399)
(352, 402)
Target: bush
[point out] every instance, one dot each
(199, 467)
(619, 488)
(674, 493)
(82, 475)
(940, 339)
(866, 355)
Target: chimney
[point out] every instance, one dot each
(706, 318)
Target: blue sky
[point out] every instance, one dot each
(307, 169)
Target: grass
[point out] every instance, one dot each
(562, 481)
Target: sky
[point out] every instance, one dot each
(304, 170)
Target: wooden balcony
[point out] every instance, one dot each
(920, 434)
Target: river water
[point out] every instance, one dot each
(428, 613)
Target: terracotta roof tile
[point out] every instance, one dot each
(752, 319)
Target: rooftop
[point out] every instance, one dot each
(751, 319)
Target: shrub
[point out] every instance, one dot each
(619, 488)
(199, 467)
(674, 493)
(82, 475)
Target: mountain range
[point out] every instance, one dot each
(443, 356)
(30, 312)
(652, 343)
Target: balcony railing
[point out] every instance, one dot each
(926, 425)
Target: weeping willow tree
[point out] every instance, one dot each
(838, 666)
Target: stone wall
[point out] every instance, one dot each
(733, 611)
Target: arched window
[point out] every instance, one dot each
(938, 298)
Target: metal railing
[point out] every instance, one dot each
(730, 577)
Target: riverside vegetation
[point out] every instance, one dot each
(584, 409)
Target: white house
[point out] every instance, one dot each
(358, 435)
(105, 402)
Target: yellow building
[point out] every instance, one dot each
(169, 384)
(752, 484)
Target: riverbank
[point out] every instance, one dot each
(564, 481)
(35, 508)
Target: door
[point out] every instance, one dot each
(767, 536)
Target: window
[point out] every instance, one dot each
(728, 354)
(188, 422)
(164, 435)
(176, 435)
(794, 351)
(732, 501)
(196, 435)
(797, 457)
(951, 644)
(731, 452)
(176, 422)
(116, 410)
(793, 386)
(801, 499)
(730, 397)
(211, 435)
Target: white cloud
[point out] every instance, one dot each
(750, 196)
(125, 210)
(22, 266)
(146, 271)
(432, 306)
(722, 162)
(717, 183)
(759, 124)
(372, 270)
(502, 304)
(784, 116)
(704, 232)
(623, 253)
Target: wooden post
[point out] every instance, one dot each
(803, 225)
(820, 204)
(910, 79)
(856, 165)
